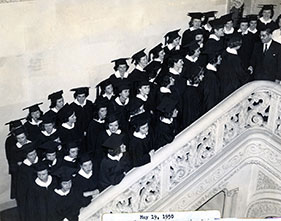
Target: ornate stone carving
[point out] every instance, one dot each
(264, 208)
(265, 183)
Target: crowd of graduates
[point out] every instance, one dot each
(62, 159)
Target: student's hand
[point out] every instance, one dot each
(151, 153)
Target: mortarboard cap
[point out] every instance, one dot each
(226, 18)
(122, 85)
(18, 131)
(55, 96)
(244, 20)
(48, 117)
(120, 61)
(192, 46)
(167, 105)
(85, 157)
(33, 108)
(210, 14)
(252, 17)
(65, 173)
(142, 83)
(114, 141)
(29, 147)
(170, 36)
(65, 112)
(140, 119)
(138, 55)
(81, 90)
(154, 51)
(111, 118)
(50, 146)
(102, 85)
(15, 123)
(72, 144)
(135, 104)
(41, 165)
(198, 31)
(217, 23)
(100, 103)
(196, 15)
(266, 6)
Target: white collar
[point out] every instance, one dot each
(231, 50)
(138, 67)
(158, 59)
(213, 36)
(173, 71)
(243, 33)
(117, 157)
(44, 184)
(84, 174)
(82, 105)
(110, 133)
(193, 29)
(166, 120)
(253, 31)
(35, 123)
(99, 121)
(207, 27)
(28, 163)
(20, 145)
(165, 90)
(61, 193)
(170, 46)
(193, 60)
(117, 100)
(142, 97)
(188, 83)
(264, 21)
(118, 75)
(69, 159)
(66, 125)
(55, 109)
(211, 67)
(54, 162)
(108, 96)
(139, 135)
(46, 134)
(228, 31)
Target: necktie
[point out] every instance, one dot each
(265, 48)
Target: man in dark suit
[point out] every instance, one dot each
(265, 63)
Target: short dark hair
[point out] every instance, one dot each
(271, 10)
(116, 67)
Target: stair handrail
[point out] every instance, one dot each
(144, 185)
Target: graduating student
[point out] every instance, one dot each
(194, 24)
(48, 132)
(11, 150)
(206, 26)
(96, 125)
(138, 74)
(119, 106)
(52, 155)
(210, 83)
(25, 176)
(228, 26)
(38, 194)
(252, 29)
(156, 58)
(86, 180)
(231, 73)
(32, 125)
(141, 141)
(57, 102)
(165, 129)
(64, 201)
(116, 164)
(107, 93)
(70, 159)
(265, 62)
(265, 17)
(83, 109)
(276, 34)
(143, 93)
(215, 43)
(68, 130)
(121, 71)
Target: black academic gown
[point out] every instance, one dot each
(37, 201)
(231, 74)
(164, 133)
(68, 135)
(262, 26)
(266, 66)
(112, 171)
(117, 81)
(246, 49)
(84, 184)
(95, 127)
(33, 131)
